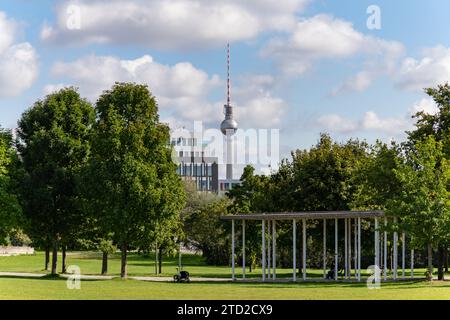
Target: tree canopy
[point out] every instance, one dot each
(130, 173)
(54, 145)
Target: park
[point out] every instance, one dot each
(94, 190)
(222, 150)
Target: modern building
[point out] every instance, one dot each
(195, 163)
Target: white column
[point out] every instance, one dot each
(263, 239)
(385, 251)
(377, 245)
(380, 251)
(395, 251)
(294, 250)
(268, 250)
(336, 253)
(345, 249)
(232, 251)
(243, 249)
(274, 251)
(412, 263)
(356, 248)
(403, 255)
(179, 256)
(304, 248)
(359, 249)
(324, 248)
(350, 248)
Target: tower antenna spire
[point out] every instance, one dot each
(228, 77)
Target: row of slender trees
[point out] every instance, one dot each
(100, 176)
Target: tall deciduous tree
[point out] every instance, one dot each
(251, 196)
(375, 180)
(131, 173)
(9, 206)
(54, 146)
(436, 124)
(423, 205)
(322, 177)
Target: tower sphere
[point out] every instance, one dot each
(228, 124)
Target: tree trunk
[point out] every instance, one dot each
(430, 262)
(446, 259)
(105, 263)
(156, 259)
(47, 258)
(55, 257)
(160, 260)
(123, 264)
(63, 261)
(440, 263)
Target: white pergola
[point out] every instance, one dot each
(350, 219)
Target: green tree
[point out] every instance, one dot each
(423, 205)
(10, 209)
(131, 174)
(54, 146)
(438, 124)
(208, 233)
(322, 177)
(375, 179)
(251, 196)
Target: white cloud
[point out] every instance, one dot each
(51, 88)
(390, 125)
(370, 121)
(182, 91)
(262, 111)
(326, 37)
(337, 123)
(180, 88)
(18, 62)
(426, 105)
(171, 24)
(430, 70)
(8, 29)
(358, 83)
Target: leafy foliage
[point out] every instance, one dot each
(54, 146)
(10, 209)
(131, 176)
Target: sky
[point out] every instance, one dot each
(350, 68)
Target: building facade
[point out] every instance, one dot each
(195, 163)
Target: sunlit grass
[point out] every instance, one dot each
(141, 265)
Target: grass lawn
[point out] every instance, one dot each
(14, 288)
(90, 263)
(141, 265)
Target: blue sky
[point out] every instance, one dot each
(301, 66)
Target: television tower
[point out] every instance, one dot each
(229, 125)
